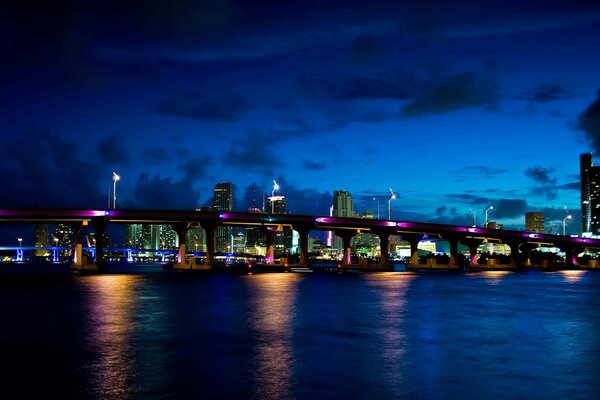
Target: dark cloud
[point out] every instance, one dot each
(304, 201)
(164, 193)
(365, 48)
(509, 208)
(194, 105)
(465, 90)
(112, 150)
(313, 166)
(546, 93)
(254, 151)
(441, 210)
(157, 155)
(253, 197)
(589, 122)
(480, 170)
(541, 175)
(42, 169)
(468, 198)
(195, 168)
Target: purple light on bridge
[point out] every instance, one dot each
(475, 230)
(324, 220)
(406, 225)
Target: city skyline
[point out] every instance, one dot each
(454, 107)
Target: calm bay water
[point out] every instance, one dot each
(166, 335)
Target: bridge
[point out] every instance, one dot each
(521, 243)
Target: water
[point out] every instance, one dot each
(167, 335)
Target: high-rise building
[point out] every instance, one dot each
(283, 238)
(343, 206)
(195, 239)
(133, 236)
(223, 201)
(42, 238)
(590, 195)
(64, 234)
(534, 222)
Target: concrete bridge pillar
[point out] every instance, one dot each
(454, 256)
(515, 259)
(210, 230)
(472, 244)
(384, 244)
(270, 243)
(346, 236)
(413, 240)
(303, 232)
(99, 225)
(571, 252)
(181, 229)
(78, 232)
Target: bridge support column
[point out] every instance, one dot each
(384, 246)
(210, 230)
(472, 244)
(571, 255)
(515, 259)
(270, 243)
(346, 236)
(413, 240)
(303, 233)
(454, 259)
(99, 225)
(181, 230)
(78, 231)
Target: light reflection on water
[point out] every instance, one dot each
(112, 302)
(492, 335)
(270, 316)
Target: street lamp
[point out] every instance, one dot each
(486, 215)
(377, 200)
(20, 241)
(392, 197)
(115, 178)
(565, 223)
(275, 187)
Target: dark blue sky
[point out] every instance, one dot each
(454, 106)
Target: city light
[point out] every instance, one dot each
(392, 197)
(115, 178)
(565, 223)
(486, 214)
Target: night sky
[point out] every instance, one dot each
(455, 107)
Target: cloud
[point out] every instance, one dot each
(546, 93)
(112, 150)
(313, 166)
(365, 48)
(460, 91)
(41, 169)
(589, 122)
(483, 170)
(468, 198)
(164, 193)
(194, 105)
(254, 151)
(304, 201)
(195, 168)
(541, 175)
(509, 208)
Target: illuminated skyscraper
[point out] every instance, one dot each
(42, 238)
(343, 206)
(590, 195)
(223, 201)
(133, 236)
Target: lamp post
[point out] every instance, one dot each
(486, 215)
(115, 178)
(20, 241)
(377, 200)
(565, 223)
(392, 197)
(275, 187)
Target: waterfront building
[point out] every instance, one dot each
(590, 196)
(223, 201)
(534, 222)
(343, 206)
(283, 240)
(42, 239)
(196, 239)
(133, 236)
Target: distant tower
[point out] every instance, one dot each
(42, 238)
(534, 222)
(284, 238)
(590, 195)
(133, 236)
(343, 206)
(223, 201)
